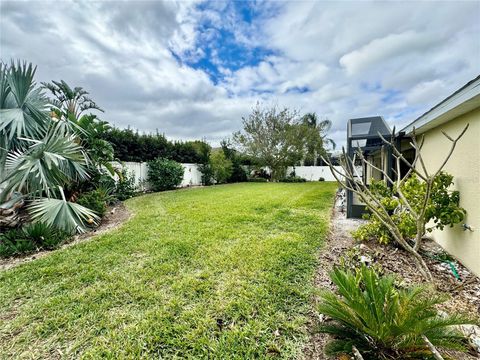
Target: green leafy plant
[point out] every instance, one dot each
(29, 238)
(258, 179)
(95, 200)
(7, 247)
(221, 166)
(442, 208)
(14, 242)
(293, 179)
(164, 174)
(238, 173)
(44, 235)
(382, 321)
(207, 174)
(125, 186)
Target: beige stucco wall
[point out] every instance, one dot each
(464, 165)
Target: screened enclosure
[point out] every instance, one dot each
(363, 134)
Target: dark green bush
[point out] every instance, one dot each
(131, 145)
(30, 238)
(383, 321)
(207, 174)
(321, 179)
(44, 236)
(95, 200)
(293, 179)
(164, 174)
(7, 246)
(257, 179)
(238, 173)
(14, 242)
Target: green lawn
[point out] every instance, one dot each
(222, 272)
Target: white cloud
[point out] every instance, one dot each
(379, 50)
(425, 91)
(355, 58)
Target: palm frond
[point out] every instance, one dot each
(64, 215)
(370, 311)
(46, 164)
(23, 109)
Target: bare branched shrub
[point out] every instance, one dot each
(417, 208)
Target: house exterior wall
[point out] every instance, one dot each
(464, 165)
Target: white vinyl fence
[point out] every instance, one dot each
(191, 175)
(314, 173)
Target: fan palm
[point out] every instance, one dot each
(43, 164)
(382, 321)
(61, 214)
(38, 155)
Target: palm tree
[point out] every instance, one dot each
(39, 155)
(68, 105)
(322, 127)
(72, 102)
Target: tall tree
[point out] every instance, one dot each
(317, 143)
(272, 137)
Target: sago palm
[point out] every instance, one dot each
(383, 321)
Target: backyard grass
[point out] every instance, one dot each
(222, 272)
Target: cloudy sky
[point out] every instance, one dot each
(193, 69)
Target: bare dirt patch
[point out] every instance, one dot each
(116, 216)
(464, 293)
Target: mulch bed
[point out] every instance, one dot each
(116, 215)
(464, 293)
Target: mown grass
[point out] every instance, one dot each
(223, 272)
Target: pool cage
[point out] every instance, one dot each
(363, 134)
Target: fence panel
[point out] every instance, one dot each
(191, 175)
(313, 173)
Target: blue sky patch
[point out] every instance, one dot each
(220, 43)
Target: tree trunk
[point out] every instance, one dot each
(9, 213)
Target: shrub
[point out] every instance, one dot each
(383, 321)
(95, 200)
(293, 179)
(164, 174)
(125, 186)
(442, 208)
(7, 247)
(238, 173)
(44, 235)
(30, 238)
(221, 166)
(321, 179)
(207, 174)
(14, 242)
(257, 179)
